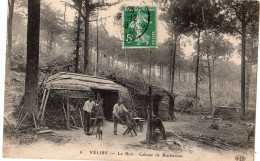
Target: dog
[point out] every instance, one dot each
(100, 120)
(99, 133)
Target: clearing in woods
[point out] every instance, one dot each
(188, 136)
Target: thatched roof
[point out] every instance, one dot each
(79, 82)
(74, 82)
(140, 88)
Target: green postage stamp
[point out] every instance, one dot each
(139, 27)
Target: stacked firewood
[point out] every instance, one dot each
(211, 141)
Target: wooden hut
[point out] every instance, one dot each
(74, 89)
(162, 100)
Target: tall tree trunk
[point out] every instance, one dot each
(162, 71)
(179, 75)
(232, 86)
(86, 44)
(173, 59)
(197, 70)
(140, 68)
(54, 45)
(153, 73)
(97, 61)
(108, 61)
(129, 63)
(243, 57)
(249, 69)
(51, 41)
(77, 42)
(210, 94)
(9, 38)
(125, 60)
(170, 75)
(171, 65)
(47, 38)
(31, 78)
(213, 74)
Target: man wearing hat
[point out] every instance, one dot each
(87, 108)
(118, 110)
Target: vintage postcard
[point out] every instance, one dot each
(131, 80)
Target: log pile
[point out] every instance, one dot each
(210, 141)
(226, 113)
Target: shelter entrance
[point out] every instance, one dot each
(109, 98)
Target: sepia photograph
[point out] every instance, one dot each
(130, 80)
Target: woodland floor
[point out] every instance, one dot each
(190, 137)
(63, 144)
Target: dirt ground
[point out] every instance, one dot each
(190, 137)
(63, 144)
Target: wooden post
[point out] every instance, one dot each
(34, 121)
(68, 112)
(21, 122)
(43, 99)
(65, 115)
(10, 125)
(81, 118)
(44, 106)
(73, 120)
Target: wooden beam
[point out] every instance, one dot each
(81, 118)
(68, 112)
(44, 106)
(17, 128)
(65, 115)
(43, 99)
(78, 97)
(73, 120)
(34, 121)
(10, 125)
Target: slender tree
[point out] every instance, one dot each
(214, 46)
(240, 14)
(78, 32)
(206, 14)
(88, 8)
(31, 79)
(251, 55)
(52, 23)
(177, 17)
(9, 38)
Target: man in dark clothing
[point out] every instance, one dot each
(158, 124)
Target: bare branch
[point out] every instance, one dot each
(92, 7)
(237, 13)
(102, 4)
(250, 17)
(102, 18)
(78, 8)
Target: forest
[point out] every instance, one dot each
(201, 78)
(210, 51)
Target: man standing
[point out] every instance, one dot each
(118, 110)
(87, 109)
